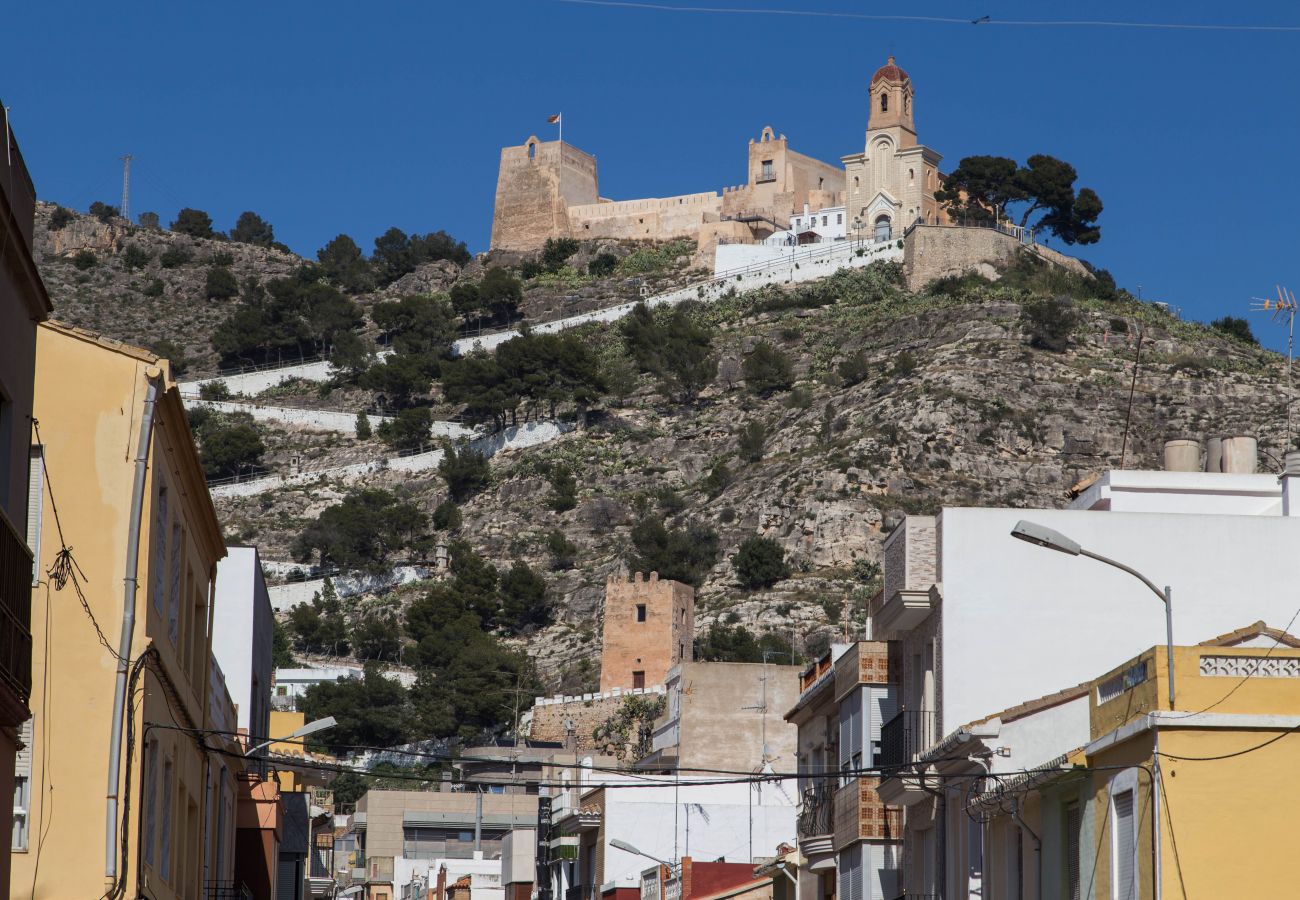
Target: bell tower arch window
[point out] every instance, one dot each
(532, 150)
(884, 101)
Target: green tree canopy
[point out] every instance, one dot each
(767, 370)
(673, 347)
(318, 626)
(760, 562)
(295, 315)
(1235, 327)
(250, 228)
(408, 430)
(681, 554)
(194, 222)
(466, 470)
(735, 643)
(371, 711)
(346, 267)
(984, 187)
(365, 531)
(397, 253)
(229, 443)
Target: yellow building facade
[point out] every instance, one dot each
(1191, 802)
(140, 809)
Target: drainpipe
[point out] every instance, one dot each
(1038, 848)
(128, 625)
(1157, 786)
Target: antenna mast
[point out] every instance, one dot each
(1284, 307)
(126, 186)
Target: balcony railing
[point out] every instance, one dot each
(227, 890)
(905, 737)
(817, 815)
(15, 612)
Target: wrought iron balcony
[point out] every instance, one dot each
(227, 890)
(817, 813)
(905, 737)
(15, 612)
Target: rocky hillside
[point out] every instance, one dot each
(897, 403)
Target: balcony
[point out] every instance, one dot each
(861, 815)
(816, 825)
(226, 890)
(901, 612)
(15, 620)
(905, 737)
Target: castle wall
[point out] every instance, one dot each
(537, 182)
(651, 644)
(552, 717)
(937, 251)
(661, 219)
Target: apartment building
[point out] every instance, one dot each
(122, 646)
(243, 627)
(849, 838)
(23, 304)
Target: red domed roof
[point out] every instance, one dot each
(889, 72)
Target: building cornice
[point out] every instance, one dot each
(1184, 720)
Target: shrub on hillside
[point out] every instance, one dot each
(466, 472)
(250, 228)
(363, 426)
(408, 430)
(752, 438)
(135, 257)
(767, 370)
(564, 488)
(446, 516)
(150, 221)
(603, 265)
(726, 642)
(61, 218)
(854, 370)
(556, 252)
(104, 212)
(760, 562)
(1050, 322)
(85, 259)
(1236, 328)
(904, 364)
(175, 256)
(562, 550)
(220, 284)
(524, 601)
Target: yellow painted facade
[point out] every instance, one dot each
(175, 828)
(1208, 787)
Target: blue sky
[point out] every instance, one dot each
(331, 117)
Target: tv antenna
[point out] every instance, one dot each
(1283, 309)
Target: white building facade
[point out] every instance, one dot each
(243, 627)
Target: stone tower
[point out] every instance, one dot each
(891, 183)
(649, 628)
(537, 182)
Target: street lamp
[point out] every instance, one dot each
(309, 728)
(1042, 536)
(628, 848)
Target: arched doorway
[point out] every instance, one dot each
(883, 228)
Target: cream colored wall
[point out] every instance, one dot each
(89, 400)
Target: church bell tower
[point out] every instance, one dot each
(891, 104)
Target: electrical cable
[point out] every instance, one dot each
(936, 20)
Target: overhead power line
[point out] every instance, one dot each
(939, 20)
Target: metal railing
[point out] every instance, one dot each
(226, 890)
(906, 736)
(15, 611)
(817, 814)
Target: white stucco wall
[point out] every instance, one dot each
(1184, 492)
(1020, 621)
(655, 821)
(242, 629)
(253, 383)
(284, 597)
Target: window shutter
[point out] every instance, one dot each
(884, 706)
(855, 856)
(1125, 847)
(35, 493)
(1072, 823)
(846, 734)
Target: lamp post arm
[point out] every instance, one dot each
(1123, 568)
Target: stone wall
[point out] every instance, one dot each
(940, 251)
(658, 219)
(650, 644)
(552, 717)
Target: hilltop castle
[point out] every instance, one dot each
(550, 189)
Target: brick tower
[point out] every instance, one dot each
(649, 628)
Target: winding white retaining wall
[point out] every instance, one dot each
(805, 265)
(253, 383)
(527, 435)
(317, 419)
(286, 596)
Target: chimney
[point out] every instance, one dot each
(1291, 484)
(1182, 456)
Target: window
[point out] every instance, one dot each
(1124, 861)
(22, 786)
(35, 487)
(638, 679)
(907, 103)
(174, 592)
(768, 172)
(824, 220)
(165, 851)
(839, 218)
(856, 181)
(22, 800)
(911, 176)
(851, 874)
(532, 151)
(883, 229)
(1072, 825)
(160, 521)
(640, 612)
(150, 799)
(850, 735)
(884, 102)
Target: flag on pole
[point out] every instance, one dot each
(554, 120)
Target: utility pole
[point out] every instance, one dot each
(126, 187)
